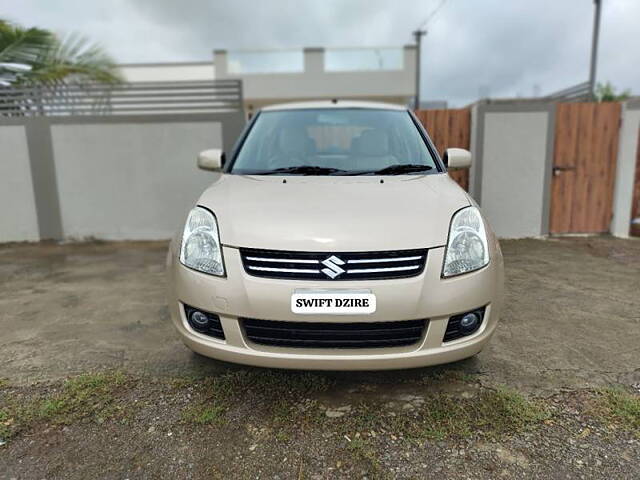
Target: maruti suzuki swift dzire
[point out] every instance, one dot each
(333, 238)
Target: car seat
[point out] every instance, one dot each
(371, 150)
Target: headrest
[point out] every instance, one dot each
(372, 143)
(293, 140)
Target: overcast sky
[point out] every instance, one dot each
(500, 47)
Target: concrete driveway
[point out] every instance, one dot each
(571, 319)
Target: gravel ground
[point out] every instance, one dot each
(151, 431)
(537, 403)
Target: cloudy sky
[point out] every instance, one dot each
(496, 47)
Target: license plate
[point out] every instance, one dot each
(333, 302)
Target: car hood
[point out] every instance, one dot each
(334, 214)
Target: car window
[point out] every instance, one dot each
(333, 141)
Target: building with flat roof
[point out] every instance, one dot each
(167, 72)
(382, 74)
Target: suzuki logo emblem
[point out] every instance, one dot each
(333, 266)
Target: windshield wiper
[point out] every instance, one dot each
(299, 170)
(400, 169)
(315, 170)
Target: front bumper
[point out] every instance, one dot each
(426, 296)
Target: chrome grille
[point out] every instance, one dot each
(333, 266)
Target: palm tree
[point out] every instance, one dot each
(20, 50)
(44, 64)
(36, 56)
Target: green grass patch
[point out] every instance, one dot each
(443, 374)
(186, 381)
(204, 414)
(490, 413)
(272, 383)
(617, 406)
(286, 400)
(5, 424)
(49, 408)
(363, 453)
(90, 396)
(277, 392)
(87, 396)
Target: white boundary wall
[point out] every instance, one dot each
(135, 177)
(105, 177)
(18, 218)
(130, 181)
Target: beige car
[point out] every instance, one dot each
(333, 238)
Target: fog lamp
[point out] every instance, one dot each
(469, 322)
(199, 320)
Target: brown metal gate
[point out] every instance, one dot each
(584, 167)
(449, 128)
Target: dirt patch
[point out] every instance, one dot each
(554, 395)
(246, 424)
(571, 316)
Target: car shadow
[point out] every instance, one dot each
(439, 377)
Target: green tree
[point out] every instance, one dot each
(35, 56)
(606, 92)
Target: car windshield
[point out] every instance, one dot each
(335, 141)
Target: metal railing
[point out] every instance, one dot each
(127, 99)
(579, 92)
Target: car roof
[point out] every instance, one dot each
(332, 104)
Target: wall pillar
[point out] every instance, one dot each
(43, 176)
(314, 60)
(220, 63)
(625, 168)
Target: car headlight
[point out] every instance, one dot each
(467, 248)
(200, 247)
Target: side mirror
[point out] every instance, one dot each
(212, 159)
(457, 158)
